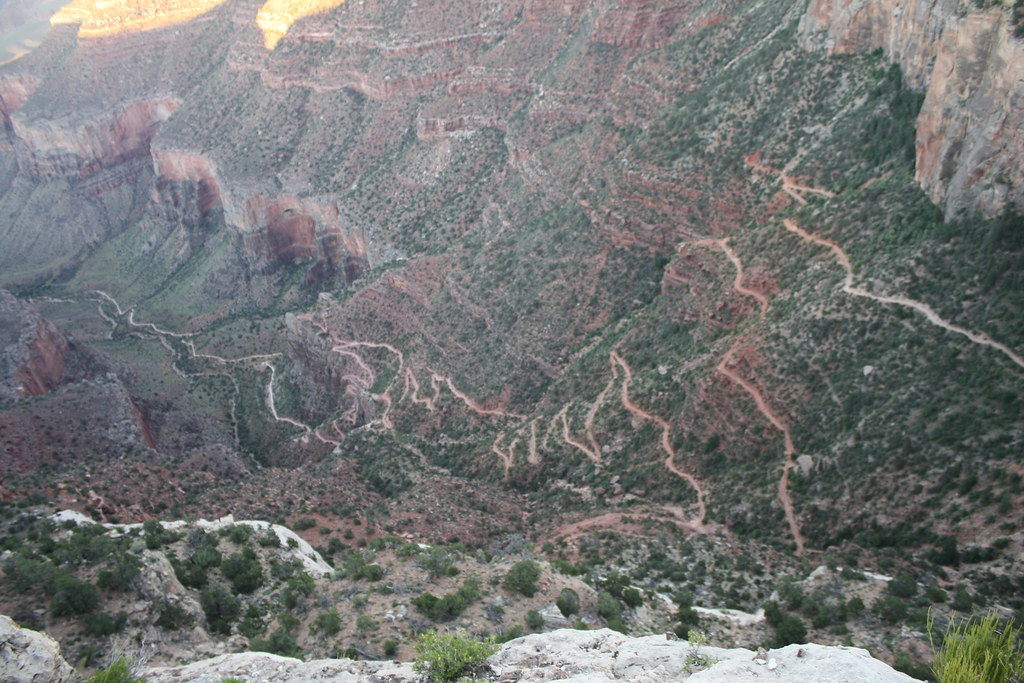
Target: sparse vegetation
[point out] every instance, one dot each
(979, 649)
(446, 657)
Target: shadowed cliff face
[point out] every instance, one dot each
(970, 66)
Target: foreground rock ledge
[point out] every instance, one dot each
(568, 655)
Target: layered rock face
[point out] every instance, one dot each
(970, 149)
(54, 149)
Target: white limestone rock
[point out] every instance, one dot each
(30, 657)
(598, 656)
(793, 663)
(262, 667)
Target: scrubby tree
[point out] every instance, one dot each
(534, 621)
(522, 578)
(568, 602)
(243, 570)
(220, 607)
(328, 623)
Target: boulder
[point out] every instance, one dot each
(28, 656)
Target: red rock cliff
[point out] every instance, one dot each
(970, 133)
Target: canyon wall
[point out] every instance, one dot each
(970, 65)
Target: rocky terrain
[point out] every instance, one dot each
(559, 655)
(703, 294)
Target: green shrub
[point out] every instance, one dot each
(446, 656)
(124, 569)
(280, 642)
(206, 556)
(979, 649)
(568, 602)
(789, 629)
(632, 597)
(243, 570)
(903, 587)
(73, 596)
(102, 624)
(890, 608)
(364, 622)
(118, 672)
(390, 647)
(239, 533)
(522, 578)
(328, 623)
(608, 607)
(173, 617)
(534, 621)
(220, 607)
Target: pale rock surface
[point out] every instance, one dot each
(567, 655)
(262, 667)
(30, 657)
(311, 560)
(818, 663)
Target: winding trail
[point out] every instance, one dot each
(506, 456)
(532, 456)
(737, 283)
(588, 423)
(790, 449)
(759, 399)
(271, 406)
(924, 309)
(789, 186)
(595, 456)
(666, 431)
(263, 361)
(410, 390)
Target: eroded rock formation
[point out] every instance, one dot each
(970, 150)
(35, 357)
(28, 656)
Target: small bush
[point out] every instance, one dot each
(632, 597)
(118, 672)
(243, 570)
(446, 656)
(534, 621)
(220, 606)
(522, 578)
(73, 596)
(979, 649)
(328, 623)
(608, 607)
(101, 624)
(173, 617)
(280, 642)
(568, 602)
(790, 629)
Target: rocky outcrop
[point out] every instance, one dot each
(78, 149)
(31, 657)
(592, 656)
(282, 230)
(15, 89)
(970, 149)
(35, 357)
(186, 187)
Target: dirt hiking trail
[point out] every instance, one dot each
(666, 433)
(924, 309)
